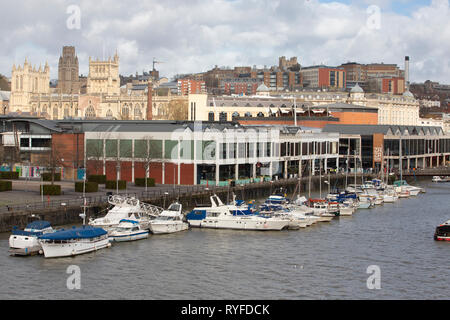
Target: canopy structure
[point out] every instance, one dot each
(38, 225)
(84, 232)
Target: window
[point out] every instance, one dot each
(90, 112)
(211, 116)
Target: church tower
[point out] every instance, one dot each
(68, 72)
(104, 76)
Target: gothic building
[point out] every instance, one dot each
(68, 72)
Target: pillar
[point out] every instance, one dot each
(217, 174)
(285, 169)
(236, 171)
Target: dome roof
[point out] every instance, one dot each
(262, 87)
(408, 94)
(357, 89)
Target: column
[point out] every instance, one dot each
(285, 169)
(236, 171)
(254, 171)
(217, 174)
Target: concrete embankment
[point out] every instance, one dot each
(189, 199)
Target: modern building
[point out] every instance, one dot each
(188, 86)
(323, 77)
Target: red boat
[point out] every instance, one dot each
(443, 232)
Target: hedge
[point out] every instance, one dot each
(140, 182)
(50, 190)
(99, 178)
(90, 186)
(111, 184)
(9, 175)
(5, 186)
(47, 176)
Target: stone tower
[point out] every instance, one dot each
(68, 78)
(27, 81)
(104, 76)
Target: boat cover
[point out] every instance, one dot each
(38, 225)
(83, 232)
(128, 220)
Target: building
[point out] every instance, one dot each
(68, 72)
(239, 86)
(25, 82)
(405, 147)
(103, 76)
(323, 77)
(188, 86)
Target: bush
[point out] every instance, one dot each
(111, 184)
(5, 186)
(9, 175)
(47, 176)
(140, 182)
(90, 186)
(50, 190)
(99, 178)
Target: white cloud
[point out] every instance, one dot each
(195, 35)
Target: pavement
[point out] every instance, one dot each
(27, 192)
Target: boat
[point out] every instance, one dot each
(128, 230)
(389, 195)
(75, 241)
(413, 191)
(25, 242)
(320, 209)
(126, 208)
(169, 221)
(440, 179)
(345, 210)
(218, 216)
(442, 232)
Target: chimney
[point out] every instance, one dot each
(406, 73)
(149, 100)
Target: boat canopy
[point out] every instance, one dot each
(38, 225)
(84, 232)
(128, 220)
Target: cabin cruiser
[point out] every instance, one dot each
(440, 179)
(320, 209)
(25, 242)
(75, 241)
(126, 208)
(413, 191)
(128, 230)
(219, 216)
(346, 209)
(169, 221)
(442, 232)
(390, 195)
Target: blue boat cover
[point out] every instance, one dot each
(128, 220)
(196, 215)
(38, 225)
(18, 232)
(83, 232)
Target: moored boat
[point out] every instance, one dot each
(169, 221)
(442, 232)
(128, 230)
(25, 242)
(75, 241)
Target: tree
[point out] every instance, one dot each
(152, 151)
(4, 84)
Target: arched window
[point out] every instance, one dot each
(90, 112)
(55, 113)
(125, 112)
(66, 112)
(137, 113)
(44, 108)
(248, 114)
(211, 116)
(260, 114)
(235, 115)
(109, 114)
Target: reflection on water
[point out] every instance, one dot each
(325, 261)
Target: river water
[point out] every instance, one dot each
(324, 261)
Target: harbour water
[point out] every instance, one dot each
(324, 261)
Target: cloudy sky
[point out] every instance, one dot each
(195, 35)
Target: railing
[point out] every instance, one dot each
(149, 195)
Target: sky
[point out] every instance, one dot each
(195, 35)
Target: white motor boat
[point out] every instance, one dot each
(169, 221)
(128, 230)
(440, 179)
(75, 241)
(219, 216)
(345, 210)
(25, 242)
(126, 208)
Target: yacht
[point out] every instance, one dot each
(128, 230)
(219, 216)
(389, 195)
(442, 232)
(413, 191)
(169, 221)
(25, 242)
(320, 209)
(75, 241)
(440, 179)
(126, 208)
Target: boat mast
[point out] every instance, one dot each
(310, 174)
(320, 178)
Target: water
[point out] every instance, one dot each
(325, 261)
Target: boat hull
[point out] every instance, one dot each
(67, 249)
(24, 245)
(244, 224)
(164, 227)
(129, 237)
